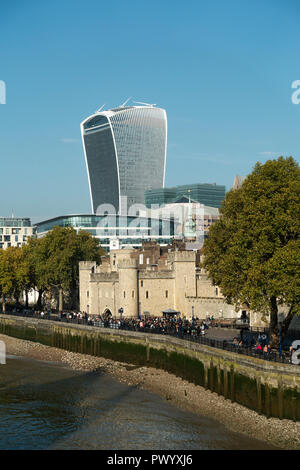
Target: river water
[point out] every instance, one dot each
(46, 405)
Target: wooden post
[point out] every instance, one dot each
(225, 382)
(259, 401)
(232, 394)
(280, 399)
(267, 401)
(205, 376)
(211, 378)
(218, 379)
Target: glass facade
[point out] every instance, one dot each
(129, 230)
(125, 150)
(208, 194)
(14, 222)
(160, 196)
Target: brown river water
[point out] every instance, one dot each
(46, 405)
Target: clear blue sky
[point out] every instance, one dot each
(222, 69)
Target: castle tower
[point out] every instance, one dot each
(184, 263)
(85, 270)
(128, 288)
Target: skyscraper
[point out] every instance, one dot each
(125, 152)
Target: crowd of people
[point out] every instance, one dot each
(168, 325)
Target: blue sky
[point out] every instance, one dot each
(223, 71)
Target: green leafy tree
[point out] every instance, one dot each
(62, 248)
(253, 251)
(9, 264)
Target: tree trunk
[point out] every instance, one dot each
(287, 321)
(26, 299)
(39, 301)
(274, 330)
(60, 299)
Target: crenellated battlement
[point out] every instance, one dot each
(127, 264)
(182, 256)
(86, 265)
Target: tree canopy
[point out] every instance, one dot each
(47, 262)
(253, 251)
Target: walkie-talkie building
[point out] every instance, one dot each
(125, 151)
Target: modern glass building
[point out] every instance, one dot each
(125, 152)
(208, 194)
(130, 231)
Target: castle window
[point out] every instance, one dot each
(147, 294)
(217, 291)
(167, 293)
(133, 294)
(142, 283)
(87, 293)
(124, 294)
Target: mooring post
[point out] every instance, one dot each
(205, 376)
(259, 401)
(218, 379)
(147, 350)
(280, 399)
(225, 382)
(232, 394)
(267, 400)
(211, 375)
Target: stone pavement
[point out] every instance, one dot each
(222, 333)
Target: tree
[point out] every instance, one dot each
(253, 251)
(9, 263)
(60, 251)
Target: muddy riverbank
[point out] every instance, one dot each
(280, 433)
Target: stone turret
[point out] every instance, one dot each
(85, 270)
(128, 281)
(184, 264)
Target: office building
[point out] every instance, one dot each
(14, 231)
(115, 231)
(125, 151)
(210, 195)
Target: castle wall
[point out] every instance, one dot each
(161, 293)
(172, 282)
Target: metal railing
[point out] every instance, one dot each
(181, 333)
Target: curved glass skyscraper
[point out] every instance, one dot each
(125, 151)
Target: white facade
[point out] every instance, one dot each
(15, 231)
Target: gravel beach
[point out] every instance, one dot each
(283, 434)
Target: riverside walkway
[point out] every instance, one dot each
(185, 330)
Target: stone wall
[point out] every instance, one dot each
(269, 388)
